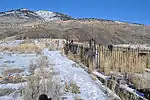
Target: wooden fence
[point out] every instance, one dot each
(108, 60)
(97, 57)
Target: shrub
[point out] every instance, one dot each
(4, 92)
(33, 88)
(42, 81)
(72, 87)
(25, 48)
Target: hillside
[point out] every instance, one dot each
(23, 23)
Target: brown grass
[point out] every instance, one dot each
(24, 48)
(141, 81)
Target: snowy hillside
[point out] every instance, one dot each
(41, 14)
(19, 13)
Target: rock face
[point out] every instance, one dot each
(23, 23)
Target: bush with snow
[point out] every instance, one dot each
(72, 87)
(42, 81)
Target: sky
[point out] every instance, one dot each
(135, 11)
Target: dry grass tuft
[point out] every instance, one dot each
(141, 81)
(23, 48)
(72, 87)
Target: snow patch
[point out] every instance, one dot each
(119, 22)
(134, 46)
(99, 74)
(47, 15)
(13, 86)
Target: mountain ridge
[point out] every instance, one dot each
(71, 18)
(24, 23)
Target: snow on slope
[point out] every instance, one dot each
(47, 15)
(90, 90)
(20, 13)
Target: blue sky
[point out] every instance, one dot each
(125, 10)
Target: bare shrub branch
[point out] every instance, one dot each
(42, 81)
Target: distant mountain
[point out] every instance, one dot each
(22, 23)
(42, 14)
(19, 13)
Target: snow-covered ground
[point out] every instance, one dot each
(16, 94)
(19, 61)
(90, 89)
(13, 86)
